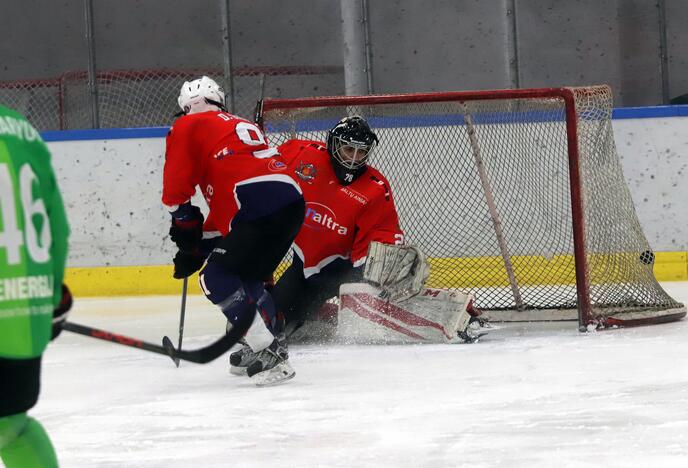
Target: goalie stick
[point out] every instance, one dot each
(200, 356)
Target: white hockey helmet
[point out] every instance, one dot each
(200, 95)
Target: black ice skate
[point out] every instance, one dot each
(271, 366)
(241, 359)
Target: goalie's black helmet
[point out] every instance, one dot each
(350, 144)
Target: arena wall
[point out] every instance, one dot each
(111, 183)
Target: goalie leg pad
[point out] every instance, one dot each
(434, 316)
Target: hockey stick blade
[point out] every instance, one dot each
(219, 347)
(199, 356)
(169, 347)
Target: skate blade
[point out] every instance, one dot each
(469, 338)
(234, 370)
(275, 376)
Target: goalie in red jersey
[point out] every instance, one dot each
(350, 212)
(348, 205)
(255, 211)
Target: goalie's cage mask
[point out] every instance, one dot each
(350, 144)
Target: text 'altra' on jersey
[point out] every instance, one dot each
(341, 220)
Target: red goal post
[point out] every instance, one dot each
(515, 195)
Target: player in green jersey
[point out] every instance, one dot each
(33, 300)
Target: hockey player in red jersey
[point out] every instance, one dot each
(255, 211)
(348, 205)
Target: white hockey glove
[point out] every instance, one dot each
(399, 270)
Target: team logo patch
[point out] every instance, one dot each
(306, 172)
(276, 166)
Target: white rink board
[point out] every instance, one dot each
(112, 191)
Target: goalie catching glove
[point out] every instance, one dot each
(399, 270)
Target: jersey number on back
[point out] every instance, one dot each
(11, 238)
(248, 133)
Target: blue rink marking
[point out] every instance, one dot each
(430, 120)
(105, 134)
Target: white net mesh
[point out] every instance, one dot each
(494, 212)
(148, 98)
(37, 98)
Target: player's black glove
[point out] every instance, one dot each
(269, 283)
(187, 227)
(187, 263)
(61, 311)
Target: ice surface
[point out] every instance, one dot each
(527, 395)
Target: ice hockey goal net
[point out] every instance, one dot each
(515, 195)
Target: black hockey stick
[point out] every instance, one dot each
(199, 356)
(181, 323)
